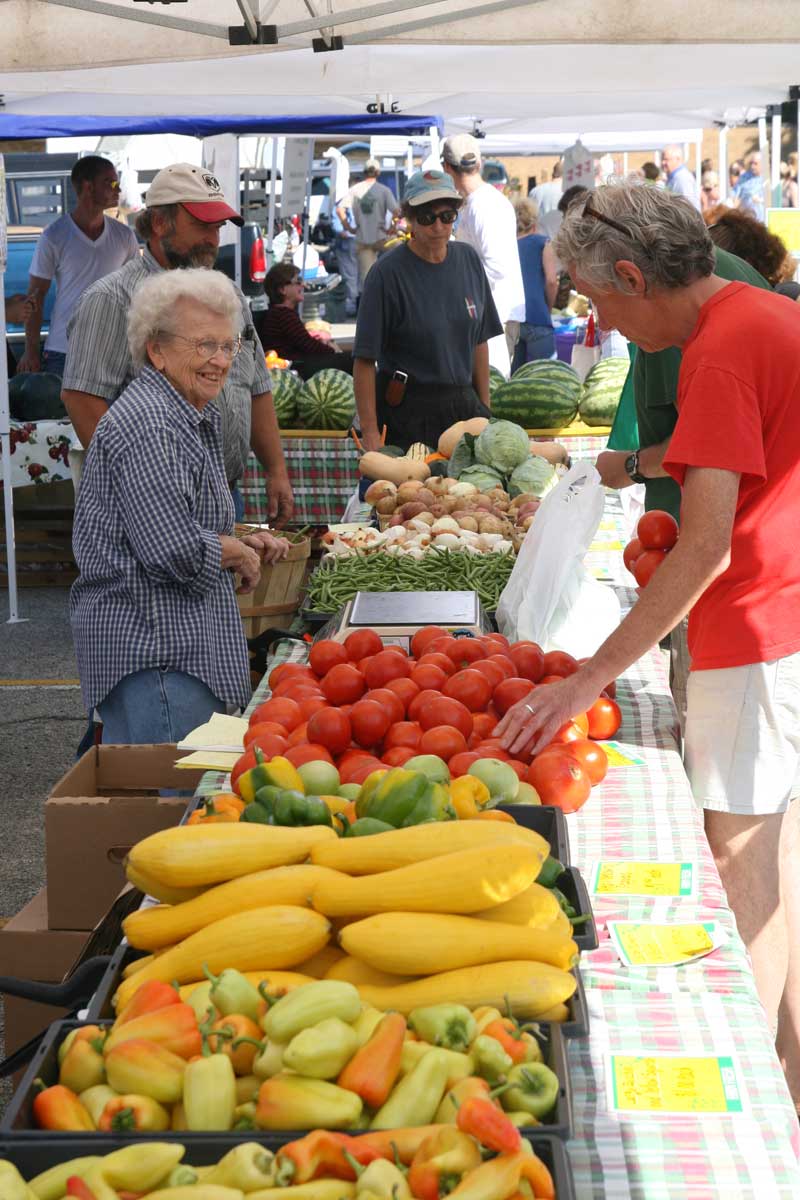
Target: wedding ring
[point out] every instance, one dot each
(531, 710)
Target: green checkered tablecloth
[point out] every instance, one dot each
(324, 475)
(646, 812)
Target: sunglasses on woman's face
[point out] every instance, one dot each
(445, 215)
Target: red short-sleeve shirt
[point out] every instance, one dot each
(739, 410)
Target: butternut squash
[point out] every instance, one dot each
(152, 928)
(536, 907)
(449, 439)
(374, 465)
(277, 982)
(401, 847)
(530, 988)
(279, 937)
(465, 882)
(200, 855)
(413, 943)
(351, 970)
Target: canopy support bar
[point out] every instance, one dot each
(483, 10)
(144, 18)
(348, 16)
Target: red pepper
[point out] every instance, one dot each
(489, 1125)
(373, 1070)
(508, 1033)
(59, 1109)
(174, 1027)
(148, 998)
(322, 1154)
(78, 1189)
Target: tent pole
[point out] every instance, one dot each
(307, 208)
(723, 163)
(763, 149)
(272, 198)
(5, 438)
(699, 164)
(434, 136)
(776, 190)
(144, 18)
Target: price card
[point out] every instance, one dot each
(647, 944)
(621, 877)
(598, 547)
(619, 757)
(666, 1085)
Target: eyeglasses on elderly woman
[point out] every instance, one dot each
(206, 348)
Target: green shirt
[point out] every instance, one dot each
(655, 388)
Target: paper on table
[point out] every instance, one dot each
(667, 1084)
(208, 760)
(221, 732)
(647, 944)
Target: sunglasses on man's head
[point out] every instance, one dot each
(446, 215)
(588, 211)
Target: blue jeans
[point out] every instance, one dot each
(348, 269)
(54, 362)
(535, 341)
(238, 502)
(155, 706)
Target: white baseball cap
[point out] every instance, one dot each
(461, 151)
(196, 189)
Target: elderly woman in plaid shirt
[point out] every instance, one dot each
(158, 635)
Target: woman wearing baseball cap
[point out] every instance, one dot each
(426, 314)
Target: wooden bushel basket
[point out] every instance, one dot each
(276, 599)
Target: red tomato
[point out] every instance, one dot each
(460, 764)
(369, 722)
(299, 736)
(521, 768)
(646, 566)
(403, 733)
(281, 710)
(443, 741)
(444, 711)
(360, 771)
(550, 679)
(491, 748)
(352, 754)
(405, 690)
(344, 684)
(285, 670)
(569, 732)
(483, 725)
(491, 671)
(390, 701)
(310, 704)
(657, 530)
(438, 660)
(325, 655)
(631, 552)
(428, 675)
(422, 698)
(503, 661)
(345, 708)
(509, 692)
(604, 717)
(465, 651)
(498, 638)
(560, 780)
(423, 638)
(362, 643)
(469, 687)
(528, 659)
(440, 645)
(297, 755)
(271, 744)
(557, 662)
(244, 763)
(297, 685)
(384, 667)
(397, 756)
(396, 649)
(263, 727)
(330, 728)
(592, 758)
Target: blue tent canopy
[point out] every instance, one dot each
(14, 127)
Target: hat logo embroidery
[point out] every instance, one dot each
(212, 183)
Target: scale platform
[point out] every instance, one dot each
(396, 616)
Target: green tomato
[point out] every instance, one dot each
(501, 779)
(431, 765)
(319, 778)
(349, 791)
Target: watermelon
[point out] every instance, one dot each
(286, 386)
(496, 377)
(327, 400)
(541, 395)
(602, 389)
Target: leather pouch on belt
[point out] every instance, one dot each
(396, 389)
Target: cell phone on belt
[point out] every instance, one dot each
(396, 388)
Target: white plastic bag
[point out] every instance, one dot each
(550, 597)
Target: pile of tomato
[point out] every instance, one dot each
(656, 534)
(362, 706)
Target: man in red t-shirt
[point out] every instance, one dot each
(646, 261)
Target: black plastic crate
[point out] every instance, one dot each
(545, 820)
(572, 884)
(203, 1149)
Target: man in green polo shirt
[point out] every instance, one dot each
(655, 386)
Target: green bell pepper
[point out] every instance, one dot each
(532, 1087)
(394, 797)
(551, 872)
(365, 826)
(295, 808)
(434, 805)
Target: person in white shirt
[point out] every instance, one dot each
(680, 180)
(488, 223)
(546, 197)
(75, 251)
(364, 212)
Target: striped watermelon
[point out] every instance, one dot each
(541, 395)
(327, 400)
(496, 377)
(602, 389)
(286, 386)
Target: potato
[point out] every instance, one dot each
(408, 491)
(378, 490)
(386, 505)
(425, 496)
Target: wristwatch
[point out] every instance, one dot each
(632, 468)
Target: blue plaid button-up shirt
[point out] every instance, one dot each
(152, 503)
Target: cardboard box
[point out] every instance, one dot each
(108, 801)
(30, 950)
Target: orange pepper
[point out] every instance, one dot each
(495, 814)
(238, 1026)
(210, 814)
(373, 1070)
(151, 996)
(468, 796)
(508, 1034)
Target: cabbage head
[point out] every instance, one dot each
(503, 445)
(535, 475)
(463, 456)
(483, 478)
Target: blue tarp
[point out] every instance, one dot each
(355, 124)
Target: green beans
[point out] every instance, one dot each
(333, 584)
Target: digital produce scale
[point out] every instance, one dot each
(396, 616)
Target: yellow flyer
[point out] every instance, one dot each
(647, 944)
(666, 1085)
(622, 877)
(621, 757)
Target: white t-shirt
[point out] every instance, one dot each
(488, 223)
(64, 253)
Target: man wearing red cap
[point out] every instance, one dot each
(184, 212)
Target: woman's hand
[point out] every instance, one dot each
(269, 548)
(532, 723)
(243, 559)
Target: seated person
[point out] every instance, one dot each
(281, 329)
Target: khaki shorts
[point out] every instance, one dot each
(742, 747)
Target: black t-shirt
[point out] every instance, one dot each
(426, 318)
